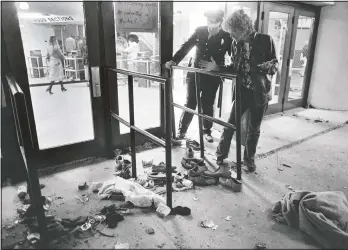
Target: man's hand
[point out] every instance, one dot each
(210, 66)
(170, 64)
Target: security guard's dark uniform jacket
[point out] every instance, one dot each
(216, 46)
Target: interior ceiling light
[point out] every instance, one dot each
(23, 5)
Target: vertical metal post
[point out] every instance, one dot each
(200, 119)
(238, 128)
(171, 101)
(131, 121)
(168, 130)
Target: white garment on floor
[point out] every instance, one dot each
(132, 191)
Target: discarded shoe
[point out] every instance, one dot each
(185, 211)
(161, 167)
(193, 144)
(189, 163)
(231, 183)
(223, 171)
(202, 180)
(119, 163)
(189, 153)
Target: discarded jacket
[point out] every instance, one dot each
(322, 215)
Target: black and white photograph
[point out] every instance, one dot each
(174, 124)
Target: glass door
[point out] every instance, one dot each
(48, 54)
(133, 43)
(278, 22)
(297, 82)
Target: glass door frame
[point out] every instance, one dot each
(268, 7)
(305, 87)
(299, 9)
(166, 47)
(100, 146)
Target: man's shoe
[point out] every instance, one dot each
(180, 136)
(193, 144)
(250, 164)
(223, 171)
(208, 138)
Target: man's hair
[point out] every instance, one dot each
(238, 21)
(133, 38)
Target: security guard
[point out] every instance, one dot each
(211, 43)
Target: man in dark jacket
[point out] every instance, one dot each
(254, 63)
(211, 43)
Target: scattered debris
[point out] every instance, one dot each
(84, 198)
(22, 192)
(289, 187)
(286, 165)
(106, 235)
(295, 115)
(207, 224)
(95, 186)
(318, 120)
(215, 227)
(163, 210)
(150, 230)
(122, 245)
(260, 245)
(195, 198)
(117, 152)
(160, 245)
(147, 164)
(33, 238)
(228, 218)
(82, 186)
(184, 211)
(280, 169)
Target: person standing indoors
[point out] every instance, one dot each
(255, 63)
(55, 57)
(132, 51)
(211, 43)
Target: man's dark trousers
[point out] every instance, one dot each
(209, 86)
(254, 123)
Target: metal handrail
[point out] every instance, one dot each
(205, 72)
(167, 144)
(56, 83)
(139, 75)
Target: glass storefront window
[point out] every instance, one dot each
(55, 49)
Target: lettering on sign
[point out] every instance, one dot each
(136, 16)
(54, 19)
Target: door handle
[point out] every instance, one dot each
(96, 81)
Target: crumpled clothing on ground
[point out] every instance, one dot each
(322, 215)
(132, 191)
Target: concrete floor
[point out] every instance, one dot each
(317, 164)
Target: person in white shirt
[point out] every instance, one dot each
(132, 50)
(70, 44)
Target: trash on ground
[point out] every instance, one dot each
(82, 186)
(122, 245)
(207, 224)
(289, 187)
(195, 198)
(163, 210)
(286, 165)
(33, 238)
(147, 164)
(112, 216)
(280, 169)
(22, 192)
(83, 199)
(184, 211)
(160, 245)
(150, 230)
(95, 186)
(215, 227)
(228, 218)
(318, 120)
(86, 226)
(260, 245)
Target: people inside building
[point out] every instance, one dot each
(70, 44)
(211, 43)
(132, 51)
(55, 66)
(255, 63)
